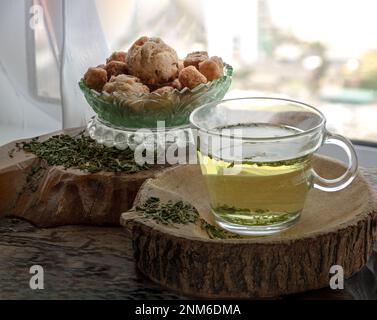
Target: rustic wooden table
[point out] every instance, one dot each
(83, 262)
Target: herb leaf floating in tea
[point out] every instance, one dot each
(83, 153)
(180, 213)
(257, 217)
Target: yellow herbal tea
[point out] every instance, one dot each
(255, 154)
(253, 193)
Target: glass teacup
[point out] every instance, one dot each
(255, 155)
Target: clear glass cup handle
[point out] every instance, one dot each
(331, 185)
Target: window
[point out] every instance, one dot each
(321, 52)
(42, 49)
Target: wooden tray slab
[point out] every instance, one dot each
(335, 229)
(50, 196)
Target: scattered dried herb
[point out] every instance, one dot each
(216, 232)
(11, 153)
(180, 213)
(33, 177)
(83, 153)
(168, 213)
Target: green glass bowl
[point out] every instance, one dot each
(124, 111)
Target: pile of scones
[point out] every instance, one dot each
(150, 65)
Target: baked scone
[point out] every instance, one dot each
(95, 78)
(190, 77)
(219, 61)
(212, 68)
(176, 84)
(117, 56)
(115, 68)
(125, 83)
(194, 58)
(164, 90)
(181, 65)
(152, 61)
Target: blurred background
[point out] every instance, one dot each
(318, 51)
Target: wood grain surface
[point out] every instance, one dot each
(85, 262)
(334, 229)
(88, 262)
(50, 196)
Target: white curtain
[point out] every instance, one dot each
(41, 62)
(84, 45)
(21, 112)
(43, 58)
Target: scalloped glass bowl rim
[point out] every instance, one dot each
(139, 129)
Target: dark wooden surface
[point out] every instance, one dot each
(335, 229)
(82, 262)
(52, 196)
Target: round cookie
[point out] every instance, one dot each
(115, 68)
(164, 90)
(190, 77)
(194, 58)
(212, 68)
(95, 78)
(125, 83)
(117, 56)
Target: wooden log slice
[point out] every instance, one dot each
(335, 229)
(51, 196)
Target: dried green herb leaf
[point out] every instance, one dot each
(168, 213)
(83, 153)
(180, 213)
(216, 232)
